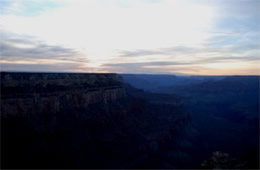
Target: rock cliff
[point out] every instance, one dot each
(27, 93)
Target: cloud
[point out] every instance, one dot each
(26, 53)
(137, 53)
(143, 64)
(150, 67)
(233, 58)
(192, 61)
(68, 67)
(248, 52)
(21, 48)
(206, 67)
(161, 51)
(186, 63)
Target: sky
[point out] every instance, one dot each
(194, 37)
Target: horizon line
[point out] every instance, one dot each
(155, 74)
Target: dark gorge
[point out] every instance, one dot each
(74, 120)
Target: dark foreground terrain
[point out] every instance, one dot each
(71, 120)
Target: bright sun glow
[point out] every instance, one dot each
(101, 30)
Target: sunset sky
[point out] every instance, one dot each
(205, 37)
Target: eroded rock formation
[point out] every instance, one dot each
(31, 93)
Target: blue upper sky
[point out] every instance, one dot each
(138, 36)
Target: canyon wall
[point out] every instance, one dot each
(31, 93)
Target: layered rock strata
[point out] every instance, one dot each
(27, 93)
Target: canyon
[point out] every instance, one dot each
(79, 120)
